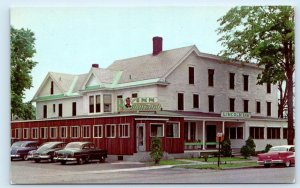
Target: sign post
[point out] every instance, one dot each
(219, 135)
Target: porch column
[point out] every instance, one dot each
(223, 127)
(203, 135)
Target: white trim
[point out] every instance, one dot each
(37, 133)
(163, 131)
(178, 122)
(28, 133)
(122, 124)
(66, 131)
(95, 101)
(101, 127)
(78, 131)
(115, 130)
(46, 135)
(56, 132)
(152, 119)
(89, 131)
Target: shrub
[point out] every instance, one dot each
(267, 148)
(156, 151)
(248, 149)
(226, 147)
(245, 151)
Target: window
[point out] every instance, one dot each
(157, 130)
(74, 110)
(257, 132)
(191, 75)
(195, 100)
(75, 132)
(110, 131)
(63, 132)
(180, 101)
(120, 97)
(285, 133)
(257, 107)
(52, 88)
(268, 108)
(45, 111)
(211, 103)
(273, 133)
(95, 104)
(134, 95)
(246, 105)
(231, 80)
(91, 104)
(53, 132)
(53, 108)
(60, 110)
(246, 77)
(239, 133)
(26, 133)
(44, 132)
(98, 131)
(268, 87)
(107, 103)
(172, 130)
(98, 104)
(232, 133)
(35, 133)
(124, 130)
(211, 77)
(231, 104)
(86, 131)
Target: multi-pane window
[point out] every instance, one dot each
(211, 77)
(45, 111)
(172, 130)
(26, 133)
(191, 75)
(98, 131)
(60, 110)
(257, 132)
(258, 107)
(123, 130)
(18, 133)
(231, 104)
(95, 104)
(273, 133)
(211, 105)
(157, 130)
(52, 88)
(285, 133)
(268, 87)
(44, 132)
(35, 133)
(195, 100)
(64, 132)
(75, 132)
(268, 108)
(231, 80)
(234, 132)
(246, 103)
(180, 101)
(110, 131)
(53, 132)
(86, 131)
(246, 80)
(134, 95)
(74, 110)
(107, 102)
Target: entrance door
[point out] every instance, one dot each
(211, 133)
(140, 137)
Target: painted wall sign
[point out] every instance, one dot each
(138, 104)
(236, 114)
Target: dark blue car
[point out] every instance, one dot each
(20, 149)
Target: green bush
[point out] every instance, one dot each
(245, 151)
(226, 147)
(248, 149)
(267, 148)
(156, 151)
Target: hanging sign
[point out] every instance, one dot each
(236, 114)
(138, 104)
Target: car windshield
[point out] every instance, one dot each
(17, 144)
(274, 149)
(47, 145)
(74, 145)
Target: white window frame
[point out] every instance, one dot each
(66, 132)
(50, 132)
(178, 128)
(163, 131)
(82, 132)
(28, 132)
(115, 132)
(100, 127)
(121, 135)
(111, 102)
(46, 135)
(78, 132)
(95, 100)
(37, 133)
(19, 135)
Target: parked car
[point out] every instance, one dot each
(80, 152)
(278, 155)
(46, 151)
(20, 149)
(30, 154)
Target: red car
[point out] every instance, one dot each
(278, 155)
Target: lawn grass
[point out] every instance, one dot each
(171, 162)
(222, 166)
(215, 159)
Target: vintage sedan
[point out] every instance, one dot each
(46, 151)
(20, 149)
(80, 152)
(278, 155)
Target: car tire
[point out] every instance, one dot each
(37, 160)
(287, 163)
(102, 159)
(80, 161)
(25, 157)
(63, 162)
(267, 165)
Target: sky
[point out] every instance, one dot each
(69, 40)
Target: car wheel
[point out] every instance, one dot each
(37, 160)
(267, 165)
(287, 164)
(63, 162)
(87, 160)
(102, 159)
(79, 161)
(25, 157)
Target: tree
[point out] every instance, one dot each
(156, 151)
(248, 149)
(264, 35)
(22, 51)
(226, 147)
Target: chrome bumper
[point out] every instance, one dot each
(42, 157)
(64, 159)
(270, 162)
(15, 156)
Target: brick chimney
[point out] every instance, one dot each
(95, 65)
(157, 45)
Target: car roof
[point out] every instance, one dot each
(57, 142)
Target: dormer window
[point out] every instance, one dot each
(52, 88)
